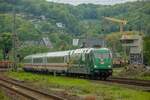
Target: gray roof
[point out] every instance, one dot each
(131, 37)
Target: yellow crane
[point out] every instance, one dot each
(121, 22)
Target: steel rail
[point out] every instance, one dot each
(143, 85)
(27, 91)
(137, 82)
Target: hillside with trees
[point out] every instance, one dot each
(41, 16)
(62, 22)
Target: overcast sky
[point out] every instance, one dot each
(105, 2)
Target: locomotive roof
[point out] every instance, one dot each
(82, 50)
(86, 50)
(104, 49)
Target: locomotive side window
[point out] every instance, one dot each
(83, 57)
(66, 59)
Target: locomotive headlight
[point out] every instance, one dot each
(95, 66)
(109, 66)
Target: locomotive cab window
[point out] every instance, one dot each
(102, 55)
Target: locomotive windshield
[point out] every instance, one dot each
(102, 55)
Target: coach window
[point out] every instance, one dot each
(75, 58)
(37, 60)
(27, 60)
(55, 60)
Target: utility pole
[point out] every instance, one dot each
(14, 37)
(86, 36)
(141, 34)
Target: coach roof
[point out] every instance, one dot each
(49, 54)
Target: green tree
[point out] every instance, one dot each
(28, 50)
(147, 50)
(6, 44)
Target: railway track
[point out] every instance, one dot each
(4, 69)
(144, 83)
(140, 84)
(25, 91)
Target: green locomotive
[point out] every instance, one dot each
(94, 62)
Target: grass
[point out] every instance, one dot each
(116, 71)
(3, 96)
(81, 86)
(142, 76)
